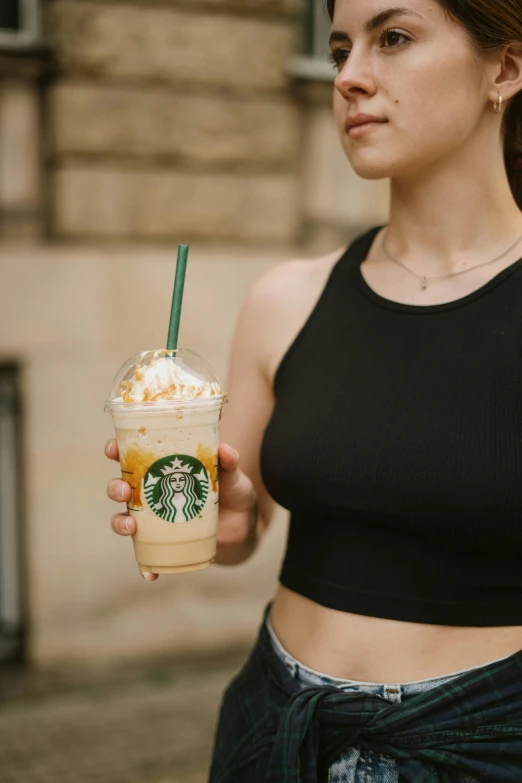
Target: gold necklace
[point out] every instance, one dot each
(424, 280)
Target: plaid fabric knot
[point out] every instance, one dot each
(271, 730)
(467, 730)
(314, 728)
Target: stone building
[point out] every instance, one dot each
(127, 126)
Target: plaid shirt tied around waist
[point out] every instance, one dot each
(271, 730)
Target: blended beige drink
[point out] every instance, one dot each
(166, 407)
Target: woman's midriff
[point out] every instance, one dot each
(370, 649)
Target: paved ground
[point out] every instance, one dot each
(152, 727)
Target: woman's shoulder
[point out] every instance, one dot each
(278, 304)
(293, 281)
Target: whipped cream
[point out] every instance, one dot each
(163, 379)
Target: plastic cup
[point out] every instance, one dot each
(169, 455)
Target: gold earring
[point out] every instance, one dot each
(498, 104)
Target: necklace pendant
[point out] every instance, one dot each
(424, 283)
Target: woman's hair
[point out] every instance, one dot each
(491, 25)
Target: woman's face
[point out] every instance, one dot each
(178, 481)
(413, 69)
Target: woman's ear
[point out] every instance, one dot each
(509, 77)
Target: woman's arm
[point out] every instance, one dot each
(244, 421)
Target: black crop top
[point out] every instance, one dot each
(396, 443)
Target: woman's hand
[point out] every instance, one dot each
(120, 491)
(237, 534)
(237, 525)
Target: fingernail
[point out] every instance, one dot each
(122, 491)
(124, 524)
(147, 576)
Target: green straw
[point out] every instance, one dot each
(177, 298)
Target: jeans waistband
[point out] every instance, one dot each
(392, 691)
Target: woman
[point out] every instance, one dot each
(381, 402)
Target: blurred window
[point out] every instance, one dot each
(11, 615)
(318, 31)
(10, 15)
(313, 61)
(19, 22)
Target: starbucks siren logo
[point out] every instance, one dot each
(176, 487)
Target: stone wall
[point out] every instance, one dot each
(21, 192)
(173, 120)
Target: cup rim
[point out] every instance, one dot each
(216, 401)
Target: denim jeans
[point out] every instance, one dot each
(358, 765)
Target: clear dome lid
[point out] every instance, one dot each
(165, 378)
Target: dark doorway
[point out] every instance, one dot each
(10, 14)
(11, 603)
